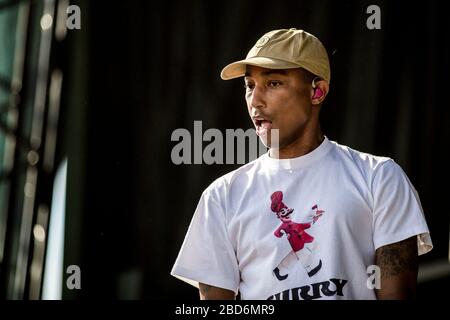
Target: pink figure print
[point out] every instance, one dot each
(299, 239)
(295, 232)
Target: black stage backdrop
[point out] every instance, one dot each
(138, 70)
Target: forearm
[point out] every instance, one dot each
(394, 289)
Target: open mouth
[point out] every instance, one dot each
(262, 125)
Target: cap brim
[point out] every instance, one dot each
(237, 69)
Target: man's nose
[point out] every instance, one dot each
(257, 97)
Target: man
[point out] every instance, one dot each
(310, 219)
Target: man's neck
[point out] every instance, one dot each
(299, 148)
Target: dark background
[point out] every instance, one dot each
(138, 70)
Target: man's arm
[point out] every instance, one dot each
(208, 292)
(398, 264)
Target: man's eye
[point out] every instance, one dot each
(248, 86)
(274, 83)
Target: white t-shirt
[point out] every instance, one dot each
(301, 228)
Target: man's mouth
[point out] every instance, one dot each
(262, 125)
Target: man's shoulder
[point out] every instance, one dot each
(363, 160)
(224, 182)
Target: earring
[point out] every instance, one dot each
(313, 84)
(318, 93)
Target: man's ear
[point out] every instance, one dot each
(319, 90)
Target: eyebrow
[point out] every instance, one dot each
(268, 72)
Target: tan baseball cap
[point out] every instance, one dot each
(284, 49)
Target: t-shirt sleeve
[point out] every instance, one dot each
(207, 255)
(398, 213)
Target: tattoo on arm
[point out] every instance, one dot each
(398, 264)
(398, 257)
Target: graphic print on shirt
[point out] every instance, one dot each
(300, 240)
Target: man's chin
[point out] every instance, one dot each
(270, 138)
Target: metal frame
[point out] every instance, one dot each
(30, 124)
